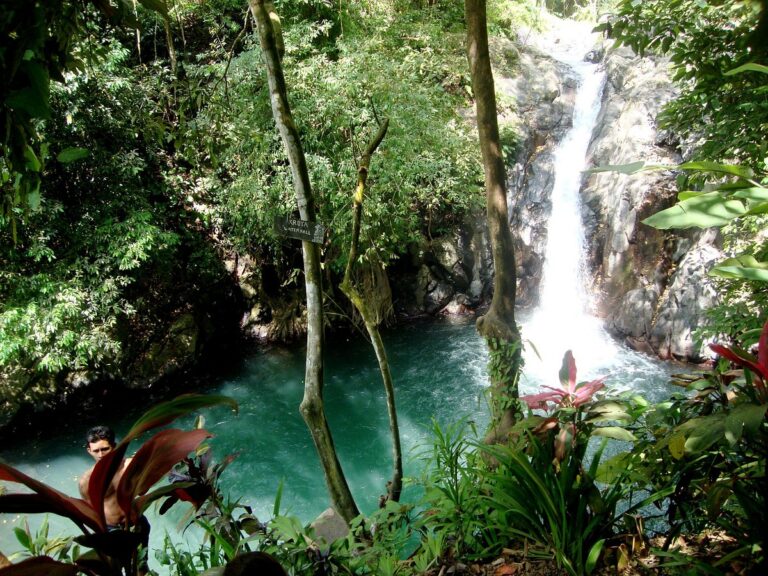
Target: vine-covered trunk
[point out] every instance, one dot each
(498, 325)
(312, 404)
(394, 486)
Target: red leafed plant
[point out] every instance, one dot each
(570, 394)
(114, 552)
(756, 367)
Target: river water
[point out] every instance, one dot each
(439, 369)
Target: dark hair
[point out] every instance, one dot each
(100, 433)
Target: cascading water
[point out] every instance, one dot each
(563, 319)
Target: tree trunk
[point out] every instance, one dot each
(394, 486)
(498, 325)
(312, 403)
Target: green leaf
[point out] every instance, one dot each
(615, 432)
(32, 163)
(23, 537)
(701, 433)
(594, 555)
(756, 193)
(716, 497)
(676, 445)
(71, 154)
(608, 410)
(751, 67)
(613, 468)
(746, 417)
(744, 267)
(703, 211)
(706, 166)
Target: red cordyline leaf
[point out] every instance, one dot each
(48, 499)
(101, 477)
(759, 368)
(162, 414)
(571, 394)
(40, 566)
(167, 412)
(155, 459)
(568, 372)
(586, 390)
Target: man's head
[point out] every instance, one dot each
(100, 440)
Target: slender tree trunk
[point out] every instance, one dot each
(394, 486)
(498, 326)
(312, 403)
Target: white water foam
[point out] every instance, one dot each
(563, 320)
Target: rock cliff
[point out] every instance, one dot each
(650, 286)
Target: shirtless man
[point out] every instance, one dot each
(100, 441)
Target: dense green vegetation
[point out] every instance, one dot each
(156, 158)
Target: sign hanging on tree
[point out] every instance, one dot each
(300, 229)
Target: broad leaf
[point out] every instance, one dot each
(702, 211)
(615, 432)
(756, 193)
(167, 412)
(706, 166)
(594, 555)
(608, 411)
(632, 168)
(745, 417)
(703, 432)
(751, 67)
(677, 445)
(101, 478)
(568, 372)
(40, 565)
(71, 154)
(47, 499)
(153, 461)
(613, 468)
(744, 267)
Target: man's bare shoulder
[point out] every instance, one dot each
(82, 483)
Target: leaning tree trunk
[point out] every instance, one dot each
(394, 486)
(312, 403)
(498, 325)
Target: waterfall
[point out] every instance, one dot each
(563, 320)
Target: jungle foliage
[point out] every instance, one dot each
(134, 159)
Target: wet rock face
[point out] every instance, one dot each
(650, 285)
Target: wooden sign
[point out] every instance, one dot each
(300, 229)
